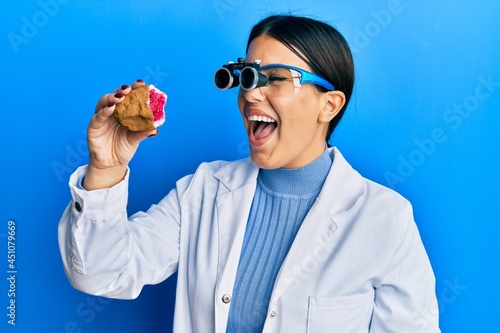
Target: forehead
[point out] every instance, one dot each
(271, 51)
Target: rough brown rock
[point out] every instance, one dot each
(133, 112)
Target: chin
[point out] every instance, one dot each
(262, 162)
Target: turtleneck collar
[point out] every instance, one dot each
(303, 181)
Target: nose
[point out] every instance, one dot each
(253, 95)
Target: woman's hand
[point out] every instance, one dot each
(111, 146)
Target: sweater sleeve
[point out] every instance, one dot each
(106, 253)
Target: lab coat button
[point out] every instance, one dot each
(78, 207)
(226, 298)
(272, 314)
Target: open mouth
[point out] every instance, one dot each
(261, 127)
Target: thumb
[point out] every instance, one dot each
(136, 137)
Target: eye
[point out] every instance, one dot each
(276, 79)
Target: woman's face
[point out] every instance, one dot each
(291, 132)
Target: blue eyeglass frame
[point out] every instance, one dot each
(305, 76)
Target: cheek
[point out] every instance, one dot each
(299, 115)
(241, 103)
(241, 106)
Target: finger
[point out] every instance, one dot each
(102, 103)
(104, 114)
(124, 89)
(137, 83)
(116, 97)
(136, 137)
(110, 100)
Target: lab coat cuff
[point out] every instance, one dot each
(97, 205)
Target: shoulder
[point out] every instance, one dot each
(375, 216)
(363, 188)
(221, 169)
(231, 174)
(386, 197)
(369, 203)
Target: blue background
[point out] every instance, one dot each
(422, 121)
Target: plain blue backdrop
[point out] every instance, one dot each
(423, 120)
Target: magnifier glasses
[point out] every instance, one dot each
(251, 76)
(242, 73)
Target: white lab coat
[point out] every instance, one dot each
(357, 263)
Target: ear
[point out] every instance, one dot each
(331, 103)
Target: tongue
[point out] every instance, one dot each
(263, 130)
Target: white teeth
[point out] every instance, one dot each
(261, 118)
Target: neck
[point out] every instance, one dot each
(305, 180)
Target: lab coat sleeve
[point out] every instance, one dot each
(106, 253)
(406, 299)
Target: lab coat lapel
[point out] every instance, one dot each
(238, 183)
(315, 241)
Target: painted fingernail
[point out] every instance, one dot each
(125, 86)
(140, 80)
(155, 134)
(111, 104)
(119, 95)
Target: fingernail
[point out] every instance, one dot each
(125, 86)
(111, 104)
(119, 95)
(140, 80)
(155, 134)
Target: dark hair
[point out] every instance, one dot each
(320, 45)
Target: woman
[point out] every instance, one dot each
(291, 240)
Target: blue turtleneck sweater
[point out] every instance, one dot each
(282, 199)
